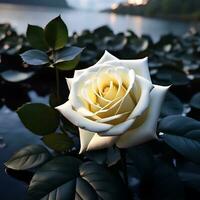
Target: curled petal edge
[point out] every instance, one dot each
(78, 120)
(147, 130)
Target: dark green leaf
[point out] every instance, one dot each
(189, 173)
(35, 36)
(172, 76)
(67, 65)
(145, 163)
(171, 106)
(67, 54)
(183, 135)
(113, 156)
(107, 157)
(54, 100)
(66, 178)
(166, 184)
(35, 57)
(188, 145)
(195, 101)
(39, 118)
(56, 33)
(28, 157)
(178, 125)
(58, 142)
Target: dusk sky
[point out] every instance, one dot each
(93, 4)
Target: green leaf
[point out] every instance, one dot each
(195, 101)
(188, 145)
(67, 54)
(172, 105)
(67, 65)
(66, 178)
(56, 33)
(54, 100)
(145, 163)
(189, 174)
(165, 183)
(183, 135)
(39, 118)
(35, 57)
(29, 157)
(58, 142)
(107, 157)
(178, 125)
(35, 36)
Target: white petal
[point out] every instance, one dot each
(140, 66)
(114, 117)
(106, 57)
(77, 73)
(85, 138)
(69, 82)
(143, 101)
(118, 129)
(80, 121)
(92, 141)
(147, 130)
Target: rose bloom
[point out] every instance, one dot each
(113, 102)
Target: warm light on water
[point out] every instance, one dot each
(138, 2)
(114, 6)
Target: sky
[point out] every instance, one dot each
(93, 4)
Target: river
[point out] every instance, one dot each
(78, 20)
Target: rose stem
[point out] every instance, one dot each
(57, 77)
(124, 168)
(57, 84)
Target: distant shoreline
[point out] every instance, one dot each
(126, 9)
(167, 17)
(8, 5)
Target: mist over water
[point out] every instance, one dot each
(78, 20)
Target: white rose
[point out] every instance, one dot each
(114, 102)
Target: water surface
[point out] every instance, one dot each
(77, 20)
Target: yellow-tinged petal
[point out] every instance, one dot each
(142, 104)
(146, 130)
(77, 119)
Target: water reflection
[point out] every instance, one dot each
(77, 20)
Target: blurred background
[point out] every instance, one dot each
(159, 25)
(154, 17)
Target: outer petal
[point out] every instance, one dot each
(80, 121)
(140, 66)
(92, 141)
(143, 101)
(147, 130)
(118, 129)
(105, 58)
(69, 82)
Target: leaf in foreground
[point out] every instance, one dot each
(67, 178)
(183, 135)
(29, 157)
